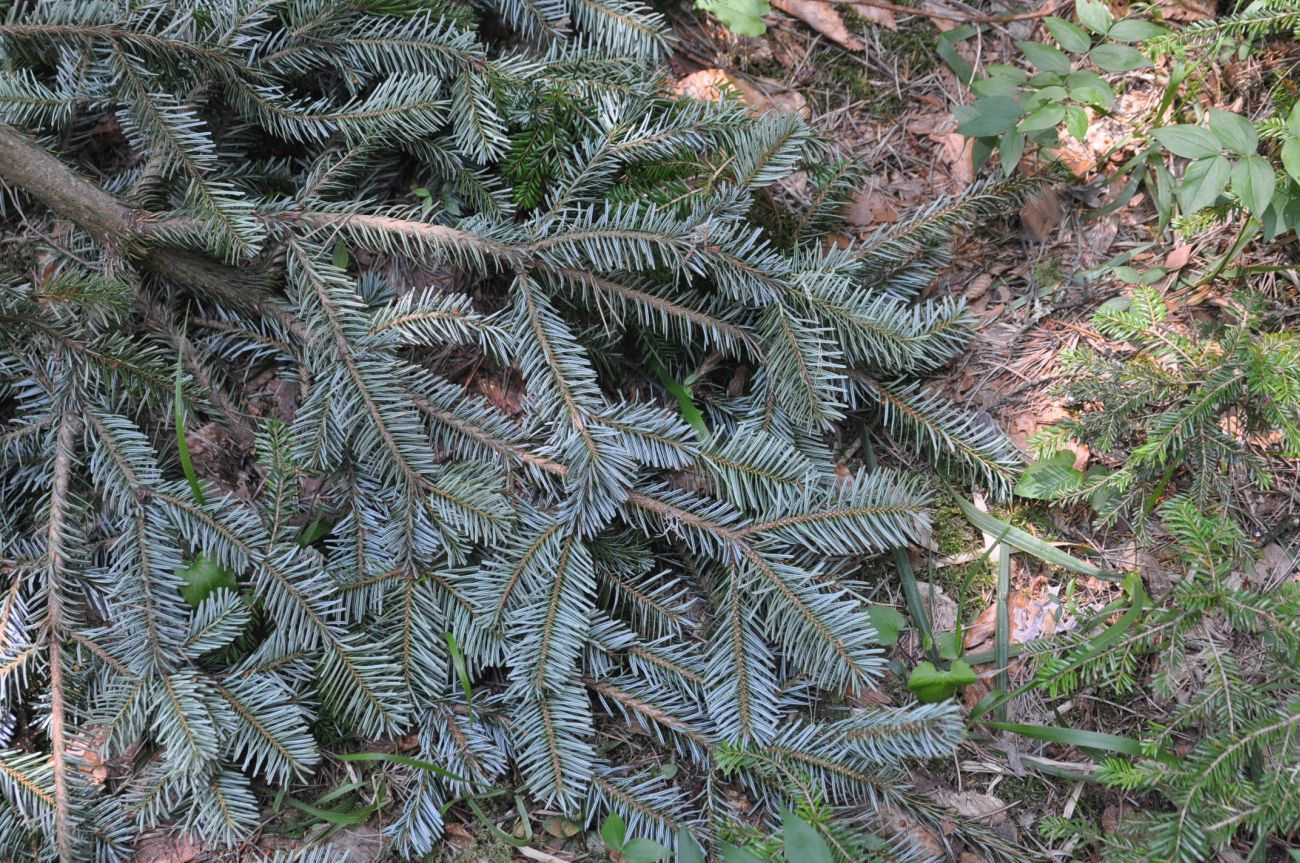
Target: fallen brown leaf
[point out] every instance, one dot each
(709, 85)
(1040, 215)
(876, 15)
(822, 17)
(957, 152)
(871, 207)
(1178, 258)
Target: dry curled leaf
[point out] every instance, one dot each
(822, 17)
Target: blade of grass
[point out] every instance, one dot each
(1002, 624)
(462, 671)
(685, 399)
(178, 412)
(906, 575)
(397, 758)
(1029, 543)
(1094, 740)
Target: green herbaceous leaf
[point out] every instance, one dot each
(1094, 14)
(1118, 58)
(988, 116)
(1090, 88)
(733, 854)
(688, 850)
(202, 577)
(1203, 182)
(1069, 36)
(888, 623)
(1046, 117)
(1134, 30)
(1049, 478)
(946, 48)
(1253, 181)
(1010, 151)
(742, 17)
(995, 87)
(803, 844)
(1234, 131)
(1027, 542)
(1045, 57)
(1293, 120)
(1076, 122)
(931, 685)
(1291, 158)
(613, 831)
(1190, 142)
(642, 850)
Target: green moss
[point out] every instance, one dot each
(487, 848)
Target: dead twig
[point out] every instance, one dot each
(930, 12)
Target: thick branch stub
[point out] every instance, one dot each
(63, 190)
(112, 223)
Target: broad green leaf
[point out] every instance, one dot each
(987, 116)
(1190, 142)
(1049, 478)
(888, 623)
(803, 844)
(1005, 71)
(995, 87)
(1254, 181)
(1293, 120)
(202, 577)
(1069, 36)
(1134, 30)
(1045, 57)
(613, 831)
(1291, 158)
(1118, 58)
(932, 685)
(1046, 117)
(732, 854)
(340, 255)
(1010, 151)
(1203, 181)
(742, 17)
(1076, 122)
(1090, 88)
(688, 850)
(641, 850)
(1235, 131)
(1095, 15)
(946, 48)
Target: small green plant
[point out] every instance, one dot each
(1225, 661)
(1209, 164)
(1208, 407)
(742, 17)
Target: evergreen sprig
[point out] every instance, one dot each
(433, 422)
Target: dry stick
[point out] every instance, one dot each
(928, 12)
(54, 550)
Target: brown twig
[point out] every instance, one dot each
(1050, 8)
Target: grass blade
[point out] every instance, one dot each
(1029, 543)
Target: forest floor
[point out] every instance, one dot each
(871, 79)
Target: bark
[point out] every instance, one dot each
(112, 223)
